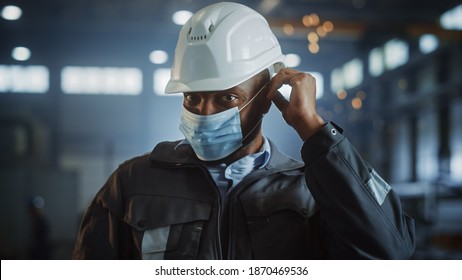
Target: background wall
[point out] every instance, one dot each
(58, 149)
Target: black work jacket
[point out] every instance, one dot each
(165, 205)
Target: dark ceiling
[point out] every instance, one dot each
(54, 28)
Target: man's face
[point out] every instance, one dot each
(208, 103)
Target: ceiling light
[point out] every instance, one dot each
(20, 53)
(328, 26)
(356, 103)
(158, 57)
(342, 94)
(288, 29)
(310, 20)
(181, 17)
(321, 31)
(11, 12)
(428, 43)
(313, 37)
(292, 60)
(313, 48)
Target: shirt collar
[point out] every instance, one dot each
(237, 170)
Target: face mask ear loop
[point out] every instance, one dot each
(261, 117)
(243, 139)
(242, 108)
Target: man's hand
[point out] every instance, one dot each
(300, 111)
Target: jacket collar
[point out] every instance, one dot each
(170, 153)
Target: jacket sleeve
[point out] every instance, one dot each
(103, 234)
(361, 215)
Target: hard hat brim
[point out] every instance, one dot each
(214, 84)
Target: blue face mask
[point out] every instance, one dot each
(215, 136)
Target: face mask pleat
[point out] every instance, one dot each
(212, 123)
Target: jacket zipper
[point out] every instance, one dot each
(218, 229)
(220, 249)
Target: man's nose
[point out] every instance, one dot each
(207, 107)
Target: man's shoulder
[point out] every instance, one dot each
(162, 148)
(167, 145)
(134, 160)
(172, 152)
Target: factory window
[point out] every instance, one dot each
(376, 63)
(427, 146)
(101, 80)
(348, 76)
(396, 53)
(160, 80)
(452, 19)
(24, 79)
(336, 80)
(401, 154)
(455, 143)
(353, 73)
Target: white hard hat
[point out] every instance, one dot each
(221, 46)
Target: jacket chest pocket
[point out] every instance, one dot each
(171, 226)
(279, 223)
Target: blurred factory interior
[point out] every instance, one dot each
(81, 91)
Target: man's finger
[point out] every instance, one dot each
(280, 101)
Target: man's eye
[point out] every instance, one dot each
(229, 98)
(190, 98)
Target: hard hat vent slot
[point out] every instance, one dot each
(200, 33)
(198, 38)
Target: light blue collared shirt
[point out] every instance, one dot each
(227, 177)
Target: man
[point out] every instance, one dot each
(225, 191)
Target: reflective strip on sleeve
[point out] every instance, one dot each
(378, 187)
